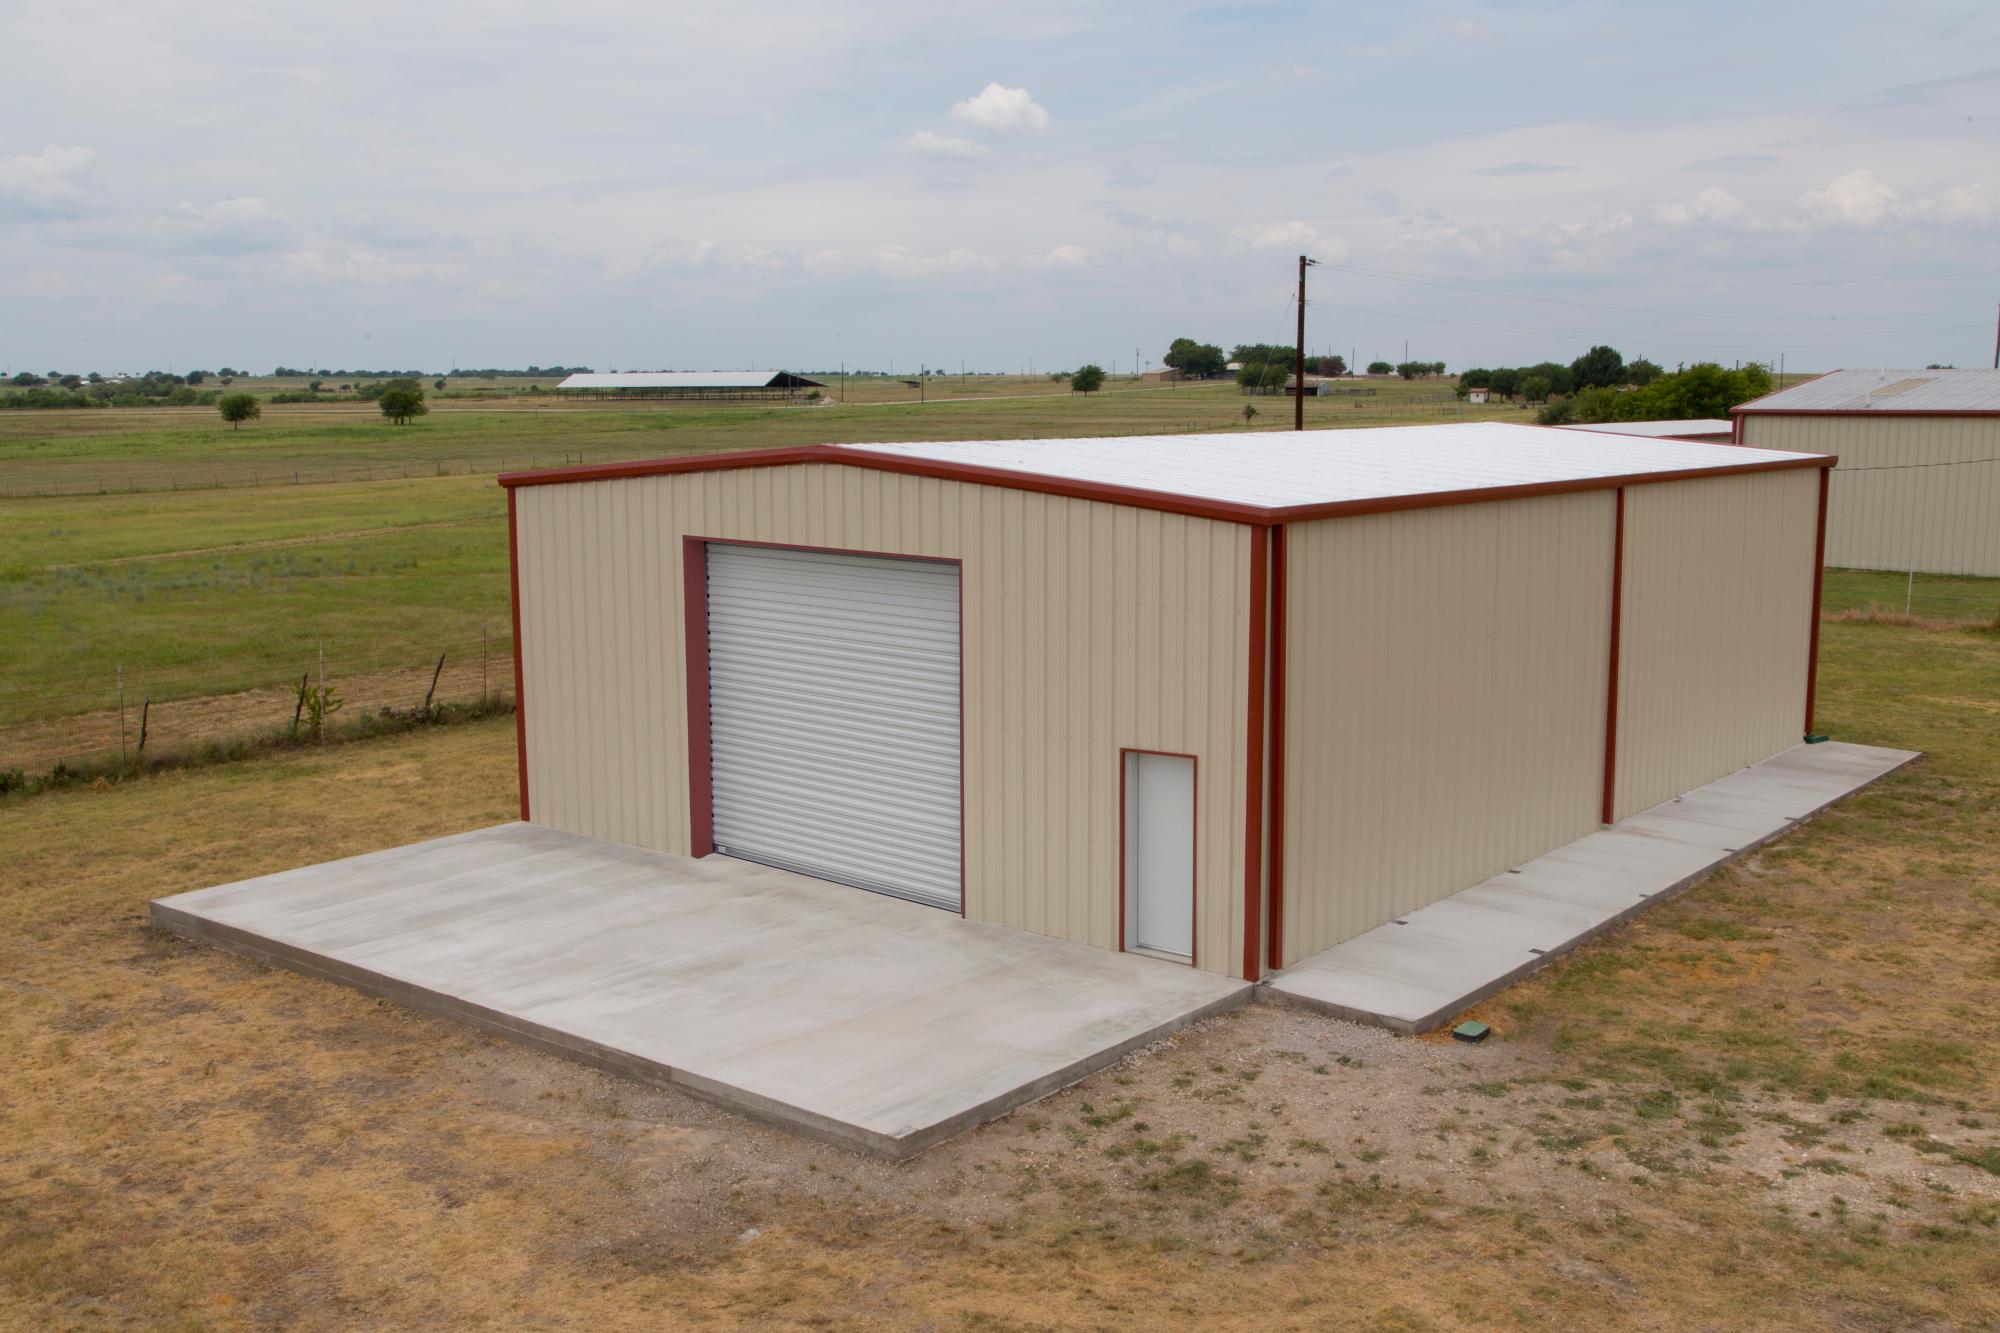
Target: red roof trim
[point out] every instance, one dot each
(1750, 409)
(1228, 511)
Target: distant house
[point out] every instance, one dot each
(1478, 397)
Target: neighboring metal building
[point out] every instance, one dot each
(1712, 430)
(1226, 699)
(688, 384)
(1918, 486)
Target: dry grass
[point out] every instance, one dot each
(1765, 1105)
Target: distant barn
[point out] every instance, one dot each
(724, 384)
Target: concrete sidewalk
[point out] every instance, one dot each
(1414, 973)
(867, 1021)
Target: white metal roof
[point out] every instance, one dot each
(674, 379)
(1888, 391)
(1659, 430)
(1278, 469)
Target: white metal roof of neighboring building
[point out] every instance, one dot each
(1662, 430)
(1280, 470)
(1887, 391)
(675, 379)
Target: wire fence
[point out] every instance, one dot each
(140, 713)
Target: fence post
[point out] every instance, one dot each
(319, 728)
(121, 716)
(482, 668)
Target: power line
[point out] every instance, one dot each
(1626, 309)
(1690, 287)
(1903, 467)
(1681, 338)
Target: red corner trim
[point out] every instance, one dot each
(1819, 576)
(1274, 957)
(520, 704)
(694, 619)
(1617, 644)
(1253, 784)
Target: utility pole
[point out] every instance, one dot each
(1299, 350)
(1996, 343)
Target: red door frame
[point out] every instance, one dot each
(1194, 934)
(1609, 811)
(694, 620)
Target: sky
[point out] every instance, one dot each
(648, 186)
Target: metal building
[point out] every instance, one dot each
(688, 384)
(1918, 485)
(1226, 699)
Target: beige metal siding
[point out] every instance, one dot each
(1717, 617)
(1445, 702)
(1087, 627)
(1917, 493)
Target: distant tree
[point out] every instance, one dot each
(439, 386)
(94, 377)
(1327, 365)
(1561, 379)
(1642, 372)
(27, 379)
(1249, 413)
(313, 387)
(1704, 389)
(1536, 388)
(1274, 377)
(1380, 368)
(237, 408)
(1250, 375)
(196, 376)
(1264, 354)
(72, 381)
(1601, 366)
(1088, 379)
(402, 402)
(226, 373)
(1194, 360)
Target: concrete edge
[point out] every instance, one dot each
(1411, 1027)
(270, 953)
(770, 1111)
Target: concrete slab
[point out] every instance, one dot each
(866, 1021)
(1411, 975)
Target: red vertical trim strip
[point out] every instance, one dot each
(520, 707)
(701, 775)
(1617, 643)
(1274, 956)
(1253, 780)
(1819, 576)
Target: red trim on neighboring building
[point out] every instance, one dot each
(1223, 510)
(701, 758)
(1253, 777)
(1819, 576)
(1194, 933)
(1747, 411)
(520, 707)
(1610, 812)
(1274, 956)
(701, 768)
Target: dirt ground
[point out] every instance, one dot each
(1765, 1105)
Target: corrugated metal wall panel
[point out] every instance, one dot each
(1717, 625)
(1087, 627)
(1445, 702)
(1917, 493)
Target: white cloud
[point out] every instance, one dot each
(42, 184)
(1711, 205)
(932, 144)
(1857, 199)
(1068, 255)
(1292, 235)
(1001, 108)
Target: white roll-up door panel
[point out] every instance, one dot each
(834, 716)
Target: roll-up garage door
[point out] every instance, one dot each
(833, 716)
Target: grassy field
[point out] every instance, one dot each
(1767, 1104)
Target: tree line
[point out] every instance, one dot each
(1599, 368)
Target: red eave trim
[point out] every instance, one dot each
(1253, 783)
(1747, 410)
(1136, 497)
(520, 706)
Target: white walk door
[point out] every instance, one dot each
(834, 717)
(1159, 854)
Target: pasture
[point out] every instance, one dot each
(208, 568)
(1766, 1104)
